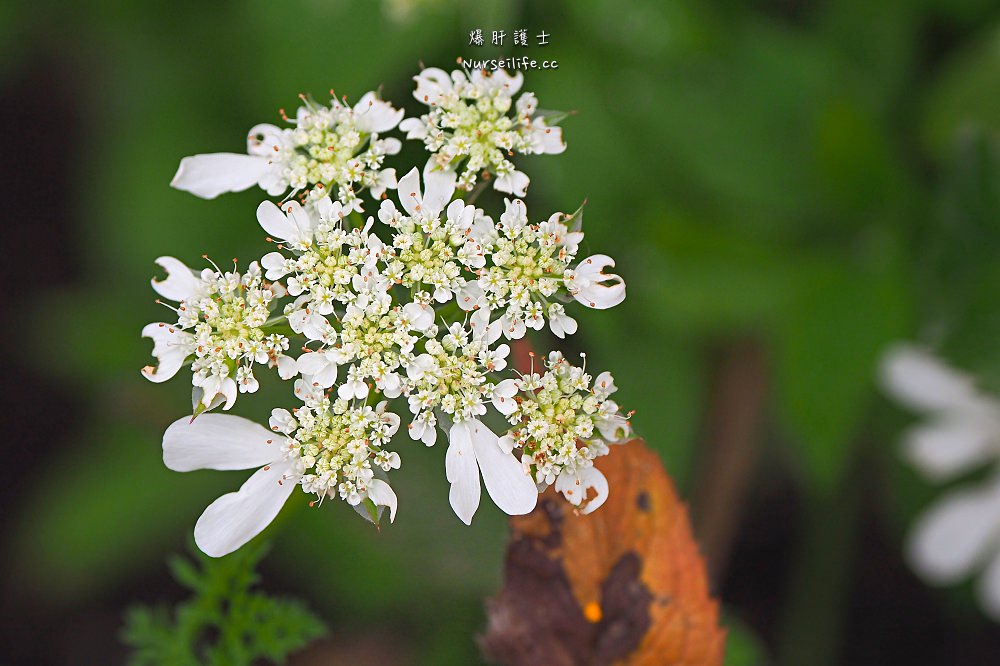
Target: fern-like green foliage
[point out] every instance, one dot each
(224, 623)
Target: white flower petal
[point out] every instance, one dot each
(409, 191)
(275, 265)
(326, 377)
(274, 221)
(290, 223)
(481, 326)
(462, 471)
(546, 140)
(613, 427)
(282, 421)
(576, 486)
(197, 393)
(311, 362)
(949, 446)
(210, 175)
(589, 285)
(382, 494)
(302, 221)
(420, 317)
(415, 429)
(391, 146)
(171, 347)
(510, 488)
(218, 441)
(431, 83)
(263, 139)
(503, 397)
(415, 128)
(604, 384)
(439, 186)
(515, 182)
(562, 325)
(181, 282)
(287, 367)
(328, 209)
(353, 389)
(922, 382)
(386, 180)
(374, 115)
(235, 518)
(595, 479)
(320, 367)
(470, 296)
(510, 83)
(954, 536)
(429, 436)
(228, 389)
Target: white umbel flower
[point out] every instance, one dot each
(527, 271)
(451, 377)
(221, 326)
(959, 535)
(404, 310)
(562, 422)
(285, 460)
(432, 250)
(473, 124)
(329, 147)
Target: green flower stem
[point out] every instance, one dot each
(476, 191)
(450, 313)
(279, 325)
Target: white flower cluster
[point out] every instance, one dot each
(220, 323)
(400, 313)
(474, 123)
(338, 447)
(552, 415)
(328, 146)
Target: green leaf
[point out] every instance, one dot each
(551, 117)
(225, 623)
(372, 510)
(199, 409)
(151, 633)
(576, 218)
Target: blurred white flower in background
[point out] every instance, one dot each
(959, 535)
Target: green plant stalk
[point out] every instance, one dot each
(813, 613)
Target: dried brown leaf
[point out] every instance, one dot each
(623, 585)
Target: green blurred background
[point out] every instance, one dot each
(787, 186)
